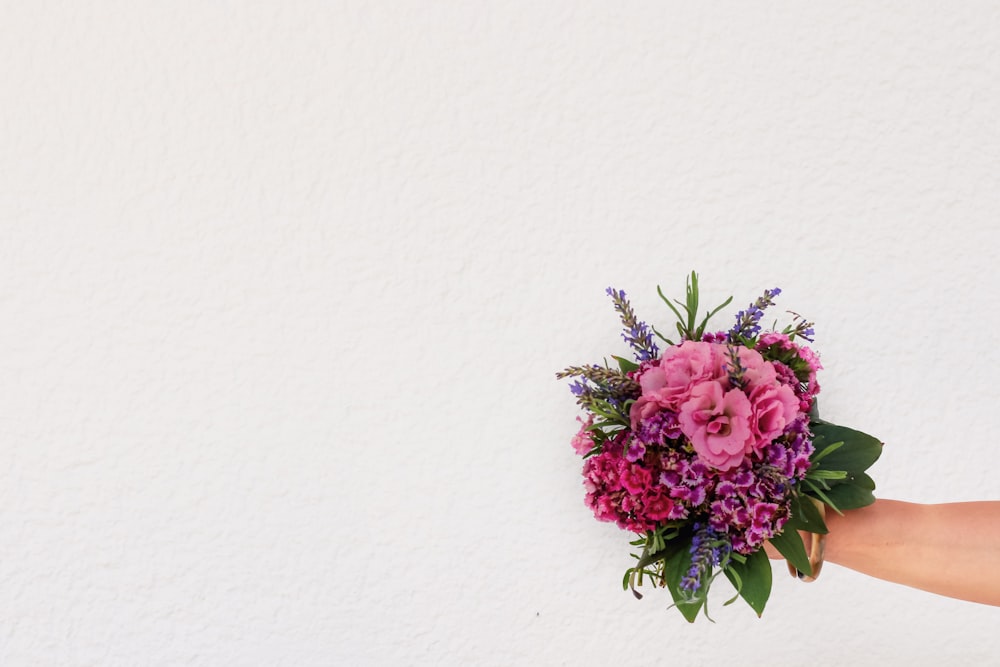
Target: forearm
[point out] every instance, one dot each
(951, 549)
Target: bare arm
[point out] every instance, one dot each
(951, 549)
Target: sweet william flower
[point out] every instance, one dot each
(636, 479)
(717, 422)
(658, 505)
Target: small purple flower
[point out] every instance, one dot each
(748, 321)
(636, 450)
(654, 429)
(707, 551)
(637, 334)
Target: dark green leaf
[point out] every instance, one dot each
(789, 544)
(850, 497)
(861, 480)
(806, 516)
(816, 458)
(819, 493)
(753, 579)
(857, 454)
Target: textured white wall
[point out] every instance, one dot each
(284, 285)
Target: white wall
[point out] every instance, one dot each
(284, 285)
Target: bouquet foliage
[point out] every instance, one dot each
(713, 447)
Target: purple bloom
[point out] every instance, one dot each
(707, 551)
(637, 334)
(660, 425)
(748, 321)
(635, 451)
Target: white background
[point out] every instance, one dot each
(283, 287)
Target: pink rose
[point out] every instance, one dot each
(756, 371)
(774, 408)
(775, 404)
(718, 424)
(682, 367)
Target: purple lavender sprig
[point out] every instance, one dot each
(637, 334)
(748, 321)
(598, 385)
(735, 369)
(609, 379)
(801, 328)
(708, 550)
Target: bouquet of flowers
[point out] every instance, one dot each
(713, 447)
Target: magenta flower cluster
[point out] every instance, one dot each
(718, 435)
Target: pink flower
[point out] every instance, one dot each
(775, 406)
(658, 505)
(806, 354)
(775, 338)
(636, 479)
(643, 408)
(669, 384)
(718, 424)
(583, 441)
(604, 509)
(756, 371)
(812, 360)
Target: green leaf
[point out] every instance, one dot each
(668, 551)
(708, 316)
(857, 454)
(692, 303)
(861, 480)
(625, 365)
(789, 544)
(667, 301)
(819, 473)
(752, 579)
(817, 492)
(663, 338)
(674, 569)
(806, 516)
(850, 497)
(816, 458)
(737, 582)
